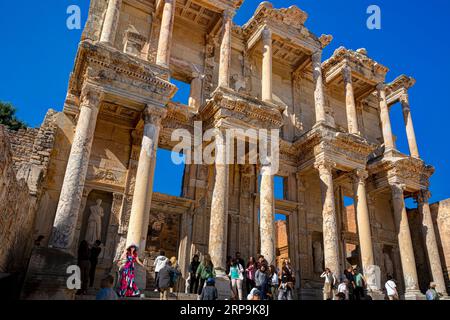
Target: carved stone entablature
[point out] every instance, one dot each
(122, 77)
(348, 151)
(285, 23)
(367, 73)
(97, 175)
(240, 108)
(166, 203)
(413, 173)
(397, 88)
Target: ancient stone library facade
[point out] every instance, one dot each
(88, 171)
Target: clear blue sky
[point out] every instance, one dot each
(38, 51)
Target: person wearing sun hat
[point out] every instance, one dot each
(127, 284)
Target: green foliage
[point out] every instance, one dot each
(8, 117)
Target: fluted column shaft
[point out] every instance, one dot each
(267, 215)
(143, 188)
(430, 242)
(111, 22)
(266, 77)
(330, 232)
(385, 119)
(225, 50)
(165, 33)
(411, 135)
(404, 240)
(352, 119)
(68, 209)
(218, 231)
(319, 97)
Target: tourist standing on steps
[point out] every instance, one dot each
(250, 274)
(165, 280)
(95, 252)
(391, 289)
(343, 288)
(329, 282)
(175, 275)
(205, 271)
(127, 284)
(106, 292)
(431, 293)
(351, 282)
(209, 293)
(237, 278)
(194, 280)
(159, 263)
(273, 282)
(360, 284)
(84, 264)
(287, 282)
(261, 280)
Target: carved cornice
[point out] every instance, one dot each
(118, 74)
(226, 103)
(398, 89)
(358, 61)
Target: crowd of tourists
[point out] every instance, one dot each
(255, 279)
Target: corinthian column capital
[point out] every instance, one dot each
(398, 190)
(423, 196)
(152, 114)
(324, 166)
(347, 74)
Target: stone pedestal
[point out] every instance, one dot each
(223, 286)
(140, 277)
(47, 275)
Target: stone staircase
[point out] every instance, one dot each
(148, 295)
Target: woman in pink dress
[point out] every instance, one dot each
(127, 284)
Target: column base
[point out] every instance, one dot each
(223, 286)
(414, 295)
(376, 294)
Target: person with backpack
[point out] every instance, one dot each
(236, 275)
(209, 292)
(159, 263)
(205, 271)
(165, 279)
(431, 293)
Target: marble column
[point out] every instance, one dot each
(385, 119)
(352, 119)
(266, 76)
(405, 242)
(414, 151)
(330, 231)
(68, 210)
(319, 96)
(219, 207)
(111, 22)
(165, 33)
(195, 96)
(143, 188)
(225, 50)
(267, 215)
(430, 241)
(363, 221)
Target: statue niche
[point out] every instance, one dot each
(94, 226)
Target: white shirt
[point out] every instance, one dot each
(390, 287)
(343, 288)
(159, 263)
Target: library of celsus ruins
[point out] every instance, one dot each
(344, 181)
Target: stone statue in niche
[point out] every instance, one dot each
(94, 227)
(388, 265)
(318, 257)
